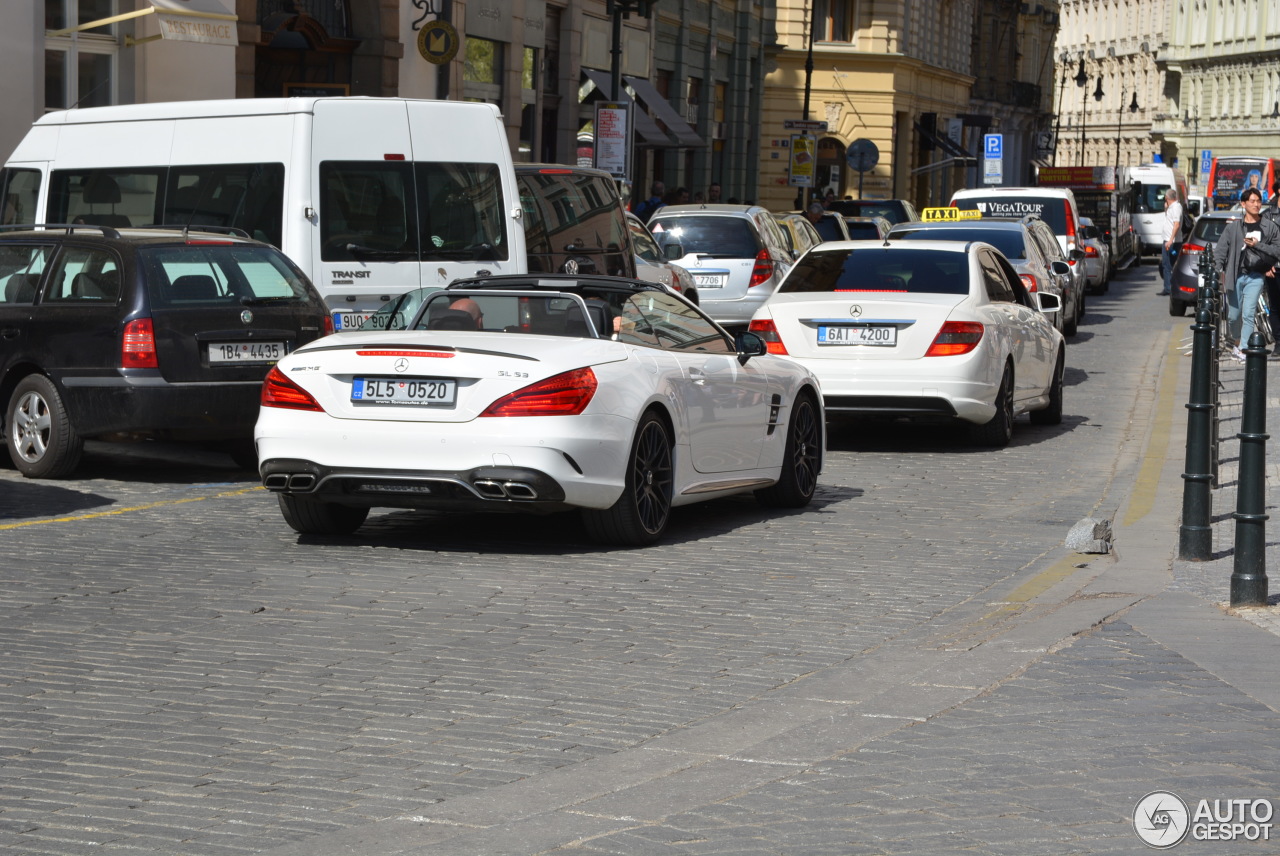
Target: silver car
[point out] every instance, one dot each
(736, 253)
(1097, 257)
(652, 263)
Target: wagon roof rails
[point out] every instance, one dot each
(107, 231)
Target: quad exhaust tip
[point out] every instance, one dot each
(491, 489)
(300, 482)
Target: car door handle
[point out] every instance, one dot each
(697, 376)
(10, 333)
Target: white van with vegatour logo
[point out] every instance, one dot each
(371, 197)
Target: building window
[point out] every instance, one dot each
(833, 20)
(482, 71)
(528, 101)
(79, 68)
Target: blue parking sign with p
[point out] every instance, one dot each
(993, 145)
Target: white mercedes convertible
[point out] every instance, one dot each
(539, 394)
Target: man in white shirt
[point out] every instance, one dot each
(1169, 228)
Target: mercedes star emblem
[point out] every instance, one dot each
(246, 316)
(855, 311)
(402, 365)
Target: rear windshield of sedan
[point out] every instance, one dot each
(880, 269)
(1051, 209)
(1209, 229)
(1008, 241)
(720, 237)
(212, 274)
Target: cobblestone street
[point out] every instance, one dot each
(914, 664)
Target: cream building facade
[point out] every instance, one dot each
(1178, 78)
(921, 81)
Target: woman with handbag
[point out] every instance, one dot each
(1249, 248)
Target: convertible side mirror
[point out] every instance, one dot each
(749, 345)
(1048, 303)
(1060, 267)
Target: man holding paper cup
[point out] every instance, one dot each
(1249, 249)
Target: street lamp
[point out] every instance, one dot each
(1082, 78)
(1133, 108)
(1188, 119)
(1057, 127)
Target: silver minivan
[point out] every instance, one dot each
(736, 253)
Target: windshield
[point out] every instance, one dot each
(217, 274)
(411, 211)
(1051, 209)
(719, 237)
(1008, 241)
(879, 269)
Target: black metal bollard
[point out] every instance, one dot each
(1195, 535)
(1209, 296)
(1249, 577)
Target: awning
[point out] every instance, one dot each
(204, 21)
(649, 96)
(946, 163)
(647, 131)
(948, 146)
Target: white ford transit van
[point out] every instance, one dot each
(371, 197)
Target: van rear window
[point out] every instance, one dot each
(411, 211)
(1051, 209)
(879, 269)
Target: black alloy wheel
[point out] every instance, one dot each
(1052, 415)
(798, 476)
(999, 431)
(640, 515)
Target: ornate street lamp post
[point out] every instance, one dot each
(1133, 108)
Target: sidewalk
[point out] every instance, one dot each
(1211, 580)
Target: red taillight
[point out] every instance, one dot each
(1028, 282)
(1193, 248)
(955, 338)
(328, 325)
(138, 345)
(763, 269)
(279, 391)
(767, 330)
(1071, 224)
(1090, 250)
(565, 394)
(399, 353)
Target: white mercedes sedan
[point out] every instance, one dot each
(921, 330)
(539, 394)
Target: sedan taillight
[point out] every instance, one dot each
(1028, 282)
(1090, 250)
(565, 394)
(955, 338)
(1193, 248)
(279, 391)
(138, 345)
(767, 330)
(763, 269)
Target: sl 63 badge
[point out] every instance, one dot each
(512, 374)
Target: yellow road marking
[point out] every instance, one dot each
(1147, 484)
(115, 511)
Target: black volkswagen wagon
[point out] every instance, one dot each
(158, 332)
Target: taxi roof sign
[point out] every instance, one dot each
(949, 214)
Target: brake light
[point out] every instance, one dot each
(138, 345)
(1090, 250)
(328, 325)
(767, 330)
(1071, 224)
(195, 243)
(1028, 282)
(565, 394)
(955, 338)
(763, 269)
(1193, 248)
(279, 391)
(383, 353)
